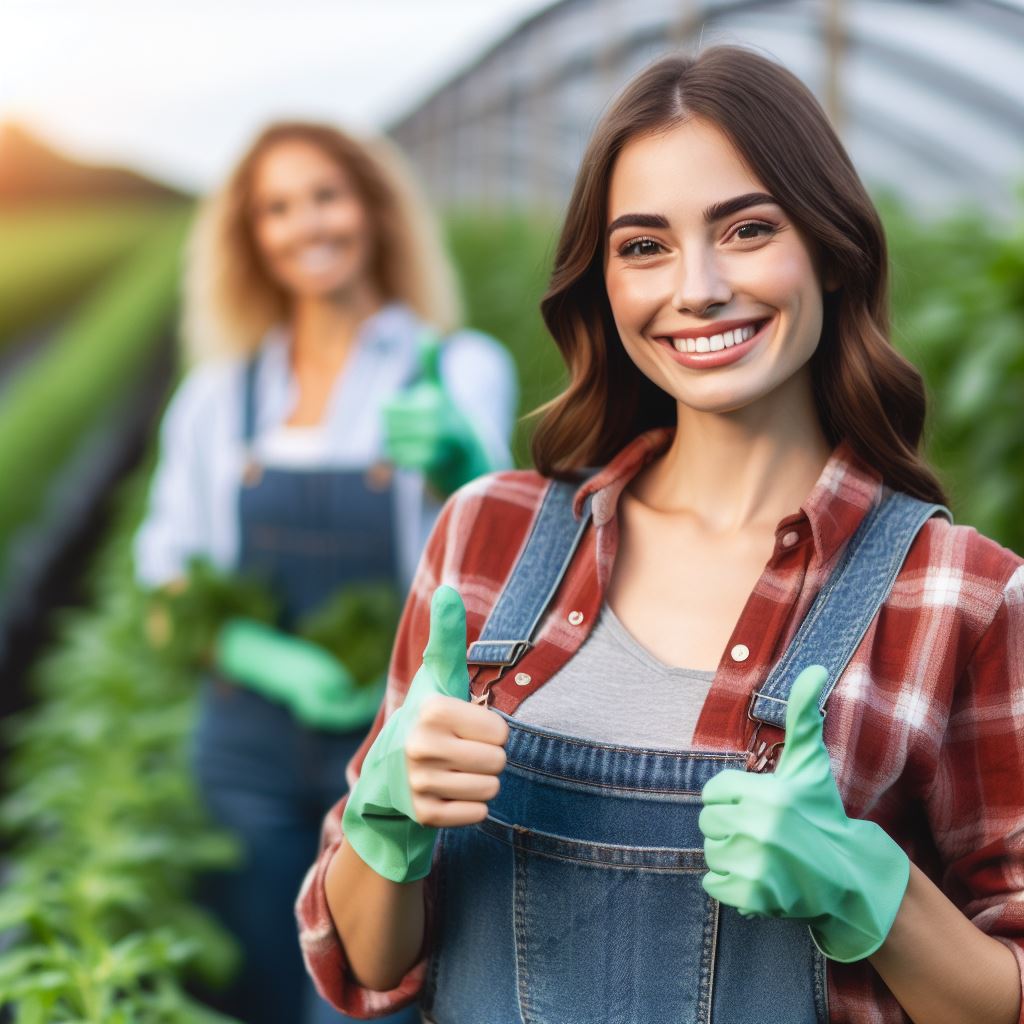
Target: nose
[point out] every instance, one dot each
(700, 284)
(305, 221)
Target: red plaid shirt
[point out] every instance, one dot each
(925, 727)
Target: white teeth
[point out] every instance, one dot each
(317, 256)
(715, 342)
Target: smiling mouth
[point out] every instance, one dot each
(716, 342)
(318, 257)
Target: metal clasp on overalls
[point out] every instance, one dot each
(475, 657)
(762, 756)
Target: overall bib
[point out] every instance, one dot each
(264, 776)
(579, 898)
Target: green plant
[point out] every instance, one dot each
(84, 373)
(959, 316)
(51, 256)
(106, 830)
(504, 261)
(183, 619)
(358, 627)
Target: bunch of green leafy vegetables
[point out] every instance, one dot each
(356, 624)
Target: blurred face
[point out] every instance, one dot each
(715, 295)
(311, 227)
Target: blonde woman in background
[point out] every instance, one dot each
(310, 446)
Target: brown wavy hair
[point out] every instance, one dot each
(865, 392)
(231, 301)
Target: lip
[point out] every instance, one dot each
(725, 356)
(717, 327)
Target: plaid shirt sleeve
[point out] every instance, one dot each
(976, 801)
(318, 938)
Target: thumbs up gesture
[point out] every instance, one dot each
(435, 763)
(424, 429)
(781, 845)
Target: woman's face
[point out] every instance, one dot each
(715, 295)
(310, 225)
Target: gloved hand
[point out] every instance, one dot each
(313, 684)
(781, 845)
(425, 430)
(379, 820)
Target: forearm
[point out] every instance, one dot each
(941, 968)
(380, 922)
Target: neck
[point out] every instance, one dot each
(743, 469)
(324, 328)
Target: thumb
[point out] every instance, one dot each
(445, 655)
(804, 722)
(430, 360)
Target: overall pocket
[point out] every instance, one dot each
(617, 934)
(470, 974)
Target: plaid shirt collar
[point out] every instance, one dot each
(846, 490)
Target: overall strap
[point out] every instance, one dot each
(249, 400)
(554, 537)
(847, 603)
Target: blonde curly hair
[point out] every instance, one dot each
(230, 301)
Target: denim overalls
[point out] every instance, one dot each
(579, 898)
(265, 777)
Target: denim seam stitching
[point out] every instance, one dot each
(519, 910)
(706, 996)
(609, 785)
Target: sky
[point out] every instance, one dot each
(175, 88)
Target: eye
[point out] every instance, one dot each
(639, 247)
(753, 229)
(326, 194)
(273, 208)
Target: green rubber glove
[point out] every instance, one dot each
(425, 430)
(781, 845)
(379, 822)
(313, 684)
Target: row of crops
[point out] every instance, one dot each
(87, 297)
(106, 832)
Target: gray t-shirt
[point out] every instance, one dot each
(615, 691)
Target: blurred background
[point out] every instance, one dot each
(116, 116)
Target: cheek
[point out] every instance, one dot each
(350, 219)
(271, 236)
(634, 297)
(786, 278)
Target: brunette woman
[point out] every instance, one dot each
(309, 448)
(763, 542)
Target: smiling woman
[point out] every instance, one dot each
(760, 540)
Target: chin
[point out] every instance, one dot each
(334, 286)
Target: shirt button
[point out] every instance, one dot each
(523, 679)
(575, 618)
(740, 652)
(790, 539)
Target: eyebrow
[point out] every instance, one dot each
(716, 211)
